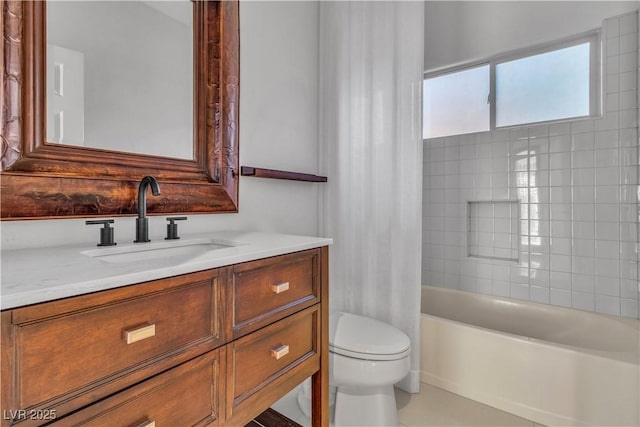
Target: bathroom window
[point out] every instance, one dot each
(553, 82)
(456, 103)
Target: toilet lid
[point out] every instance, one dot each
(365, 338)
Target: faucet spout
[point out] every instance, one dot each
(142, 223)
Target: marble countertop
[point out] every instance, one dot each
(30, 276)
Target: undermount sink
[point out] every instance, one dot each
(170, 252)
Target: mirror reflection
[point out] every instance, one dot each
(120, 76)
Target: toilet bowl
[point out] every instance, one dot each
(366, 358)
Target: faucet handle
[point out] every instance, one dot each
(106, 233)
(172, 227)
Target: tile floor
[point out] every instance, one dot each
(431, 407)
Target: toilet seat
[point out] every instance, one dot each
(364, 338)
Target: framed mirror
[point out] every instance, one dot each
(56, 166)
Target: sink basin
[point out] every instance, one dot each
(170, 252)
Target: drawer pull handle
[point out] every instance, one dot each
(147, 423)
(280, 287)
(280, 352)
(139, 334)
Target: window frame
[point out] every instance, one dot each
(461, 69)
(593, 37)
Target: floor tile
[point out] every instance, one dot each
(437, 407)
(429, 408)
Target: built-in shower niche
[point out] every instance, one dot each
(493, 229)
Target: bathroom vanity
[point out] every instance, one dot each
(203, 336)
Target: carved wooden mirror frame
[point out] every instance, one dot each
(41, 180)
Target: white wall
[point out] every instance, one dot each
(463, 31)
(278, 129)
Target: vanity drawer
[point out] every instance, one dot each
(266, 290)
(265, 360)
(183, 396)
(110, 340)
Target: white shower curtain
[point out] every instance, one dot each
(371, 61)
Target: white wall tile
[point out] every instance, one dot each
(629, 251)
(581, 141)
(519, 291)
(560, 298)
(628, 100)
(561, 263)
(562, 177)
(560, 280)
(628, 81)
(608, 176)
(582, 159)
(584, 265)
(628, 270)
(612, 27)
(608, 305)
(628, 137)
(612, 83)
(608, 286)
(628, 44)
(582, 126)
(628, 61)
(582, 194)
(608, 231)
(559, 129)
(608, 267)
(560, 246)
(584, 229)
(501, 288)
(561, 229)
(583, 248)
(607, 249)
(629, 289)
(628, 175)
(629, 308)
(612, 46)
(628, 23)
(583, 301)
(561, 160)
(612, 66)
(563, 143)
(560, 211)
(628, 119)
(582, 211)
(628, 194)
(606, 194)
(560, 194)
(540, 295)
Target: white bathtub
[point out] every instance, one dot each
(552, 365)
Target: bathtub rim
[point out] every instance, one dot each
(630, 357)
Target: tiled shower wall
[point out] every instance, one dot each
(577, 187)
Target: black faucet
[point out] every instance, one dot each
(142, 223)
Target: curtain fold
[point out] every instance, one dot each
(371, 66)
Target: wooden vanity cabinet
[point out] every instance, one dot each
(216, 347)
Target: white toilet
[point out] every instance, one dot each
(367, 357)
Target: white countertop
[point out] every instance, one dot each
(36, 275)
